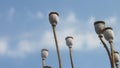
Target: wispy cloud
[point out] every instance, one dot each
(24, 47)
(91, 20)
(11, 13)
(71, 18)
(0, 16)
(36, 15)
(82, 41)
(86, 40)
(39, 15)
(3, 45)
(111, 20)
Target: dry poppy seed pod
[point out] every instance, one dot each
(108, 34)
(117, 57)
(69, 41)
(44, 53)
(53, 18)
(47, 67)
(99, 26)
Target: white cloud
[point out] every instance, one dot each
(91, 40)
(24, 47)
(87, 41)
(47, 40)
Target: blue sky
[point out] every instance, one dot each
(25, 30)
